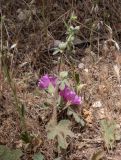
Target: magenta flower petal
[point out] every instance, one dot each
(44, 82)
(76, 100)
(64, 92)
(70, 95)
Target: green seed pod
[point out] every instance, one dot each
(62, 45)
(77, 28)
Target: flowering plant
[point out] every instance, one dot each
(61, 91)
(59, 87)
(46, 80)
(66, 93)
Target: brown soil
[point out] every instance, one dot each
(34, 36)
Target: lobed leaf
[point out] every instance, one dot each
(8, 154)
(38, 156)
(61, 131)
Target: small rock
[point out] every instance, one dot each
(86, 70)
(97, 104)
(81, 65)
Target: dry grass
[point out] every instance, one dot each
(34, 26)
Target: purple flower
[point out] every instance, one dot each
(77, 100)
(46, 80)
(70, 95)
(66, 93)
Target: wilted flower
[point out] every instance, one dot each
(46, 80)
(70, 95)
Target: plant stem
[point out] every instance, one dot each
(60, 63)
(54, 116)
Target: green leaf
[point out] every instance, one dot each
(76, 117)
(77, 28)
(22, 110)
(64, 74)
(8, 154)
(51, 89)
(62, 85)
(38, 156)
(109, 132)
(56, 51)
(62, 45)
(61, 131)
(66, 25)
(73, 16)
(77, 79)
